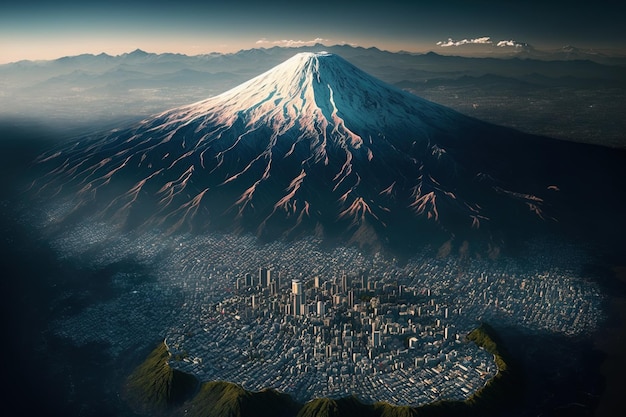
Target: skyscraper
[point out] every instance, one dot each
(298, 297)
(344, 283)
(317, 282)
(264, 277)
(376, 339)
(275, 276)
(321, 308)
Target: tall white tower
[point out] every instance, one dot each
(298, 298)
(321, 308)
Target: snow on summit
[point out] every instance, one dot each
(314, 145)
(316, 93)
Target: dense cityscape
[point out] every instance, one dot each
(319, 322)
(332, 340)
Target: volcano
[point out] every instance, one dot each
(312, 146)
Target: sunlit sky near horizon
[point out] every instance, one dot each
(47, 30)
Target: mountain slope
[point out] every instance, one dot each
(154, 386)
(313, 145)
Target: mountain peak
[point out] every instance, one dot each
(311, 55)
(137, 53)
(314, 92)
(313, 144)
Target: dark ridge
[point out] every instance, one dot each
(326, 407)
(155, 387)
(221, 399)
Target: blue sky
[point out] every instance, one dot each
(45, 30)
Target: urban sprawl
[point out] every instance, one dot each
(323, 322)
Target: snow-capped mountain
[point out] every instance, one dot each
(313, 145)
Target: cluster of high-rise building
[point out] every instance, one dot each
(336, 336)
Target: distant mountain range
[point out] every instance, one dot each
(246, 63)
(317, 146)
(96, 90)
(513, 49)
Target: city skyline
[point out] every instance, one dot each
(41, 30)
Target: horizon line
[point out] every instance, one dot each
(474, 53)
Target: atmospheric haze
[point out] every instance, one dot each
(325, 220)
(44, 30)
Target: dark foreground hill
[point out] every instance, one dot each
(155, 387)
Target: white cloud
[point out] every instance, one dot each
(512, 43)
(354, 45)
(291, 42)
(485, 40)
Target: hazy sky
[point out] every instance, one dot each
(46, 30)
